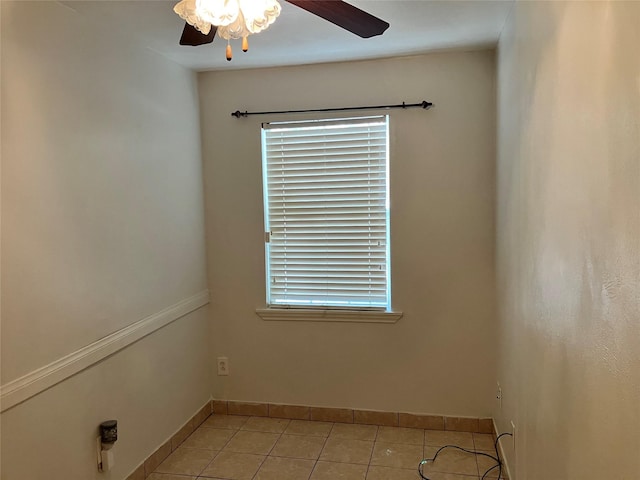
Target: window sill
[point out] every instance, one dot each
(327, 315)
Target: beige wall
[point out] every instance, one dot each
(102, 226)
(569, 239)
(439, 358)
(152, 388)
(101, 184)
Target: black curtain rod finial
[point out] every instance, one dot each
(239, 114)
(426, 105)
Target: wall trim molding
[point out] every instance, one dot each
(327, 315)
(39, 380)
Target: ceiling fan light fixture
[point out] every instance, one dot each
(186, 9)
(259, 14)
(218, 12)
(235, 30)
(237, 18)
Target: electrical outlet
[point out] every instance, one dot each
(223, 366)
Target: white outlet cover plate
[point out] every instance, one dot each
(223, 366)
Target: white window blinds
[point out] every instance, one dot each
(326, 213)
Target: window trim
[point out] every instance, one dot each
(328, 315)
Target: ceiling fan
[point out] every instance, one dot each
(339, 13)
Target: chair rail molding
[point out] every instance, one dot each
(29, 385)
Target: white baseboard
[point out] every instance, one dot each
(25, 387)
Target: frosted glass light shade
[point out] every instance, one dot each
(186, 9)
(218, 12)
(259, 14)
(234, 18)
(237, 29)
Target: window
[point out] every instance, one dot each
(327, 213)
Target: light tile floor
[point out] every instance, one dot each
(255, 448)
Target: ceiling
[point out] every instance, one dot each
(298, 37)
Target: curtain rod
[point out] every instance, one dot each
(424, 104)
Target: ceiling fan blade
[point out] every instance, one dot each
(193, 37)
(344, 15)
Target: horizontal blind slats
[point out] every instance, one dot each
(327, 212)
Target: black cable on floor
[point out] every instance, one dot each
(497, 458)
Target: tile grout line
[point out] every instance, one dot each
(323, 447)
(217, 453)
(235, 432)
(223, 447)
(375, 439)
(475, 449)
(276, 442)
(314, 468)
(332, 430)
(260, 466)
(314, 465)
(265, 457)
(272, 447)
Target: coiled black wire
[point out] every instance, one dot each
(497, 458)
